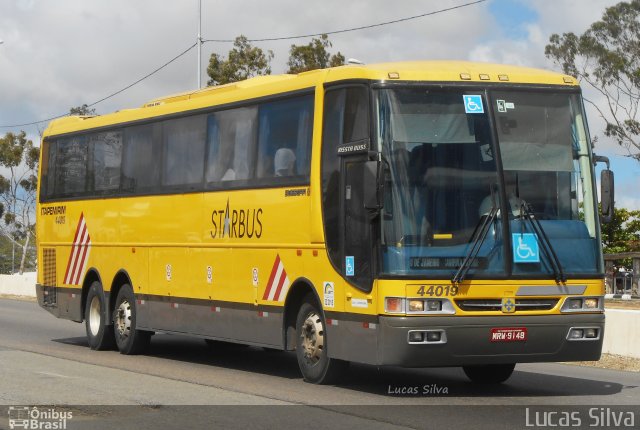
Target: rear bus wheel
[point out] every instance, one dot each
(311, 347)
(490, 373)
(129, 339)
(99, 333)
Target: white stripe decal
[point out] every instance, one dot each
(278, 283)
(80, 247)
(274, 286)
(79, 255)
(285, 288)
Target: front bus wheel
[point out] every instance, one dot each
(129, 339)
(490, 373)
(311, 347)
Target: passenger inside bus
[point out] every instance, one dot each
(284, 162)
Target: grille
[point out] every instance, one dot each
(49, 276)
(49, 266)
(493, 305)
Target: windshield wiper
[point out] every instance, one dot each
(526, 210)
(476, 243)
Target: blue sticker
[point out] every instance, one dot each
(525, 248)
(350, 265)
(473, 104)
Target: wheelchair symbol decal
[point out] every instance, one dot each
(350, 265)
(525, 248)
(473, 104)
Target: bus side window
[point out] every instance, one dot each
(107, 158)
(47, 170)
(71, 166)
(184, 140)
(332, 131)
(284, 139)
(139, 167)
(231, 138)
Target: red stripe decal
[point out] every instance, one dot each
(70, 274)
(274, 270)
(283, 277)
(75, 256)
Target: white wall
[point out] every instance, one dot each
(622, 332)
(19, 285)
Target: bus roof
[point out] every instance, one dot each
(434, 71)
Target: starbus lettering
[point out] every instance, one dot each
(236, 223)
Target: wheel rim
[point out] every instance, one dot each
(123, 319)
(312, 335)
(95, 316)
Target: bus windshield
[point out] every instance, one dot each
(443, 190)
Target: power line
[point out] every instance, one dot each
(364, 27)
(266, 39)
(110, 95)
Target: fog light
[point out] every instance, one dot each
(416, 305)
(575, 304)
(434, 336)
(394, 304)
(591, 303)
(416, 337)
(576, 333)
(434, 305)
(591, 333)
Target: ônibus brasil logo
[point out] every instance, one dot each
(25, 417)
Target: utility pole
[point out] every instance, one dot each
(199, 43)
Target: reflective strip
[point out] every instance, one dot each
(278, 283)
(79, 254)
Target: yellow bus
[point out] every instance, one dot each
(410, 214)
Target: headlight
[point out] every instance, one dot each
(416, 305)
(434, 305)
(583, 304)
(591, 303)
(574, 304)
(400, 305)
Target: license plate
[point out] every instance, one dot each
(508, 334)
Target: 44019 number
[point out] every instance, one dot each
(437, 290)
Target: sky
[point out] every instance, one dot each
(63, 53)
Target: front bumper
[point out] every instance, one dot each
(468, 340)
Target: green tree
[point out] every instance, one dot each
(18, 192)
(313, 56)
(5, 255)
(607, 58)
(622, 234)
(244, 61)
(83, 110)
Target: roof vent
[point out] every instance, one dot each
(354, 61)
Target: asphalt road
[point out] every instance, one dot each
(46, 361)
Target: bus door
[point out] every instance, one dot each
(346, 147)
(358, 246)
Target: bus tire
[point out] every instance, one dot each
(311, 347)
(129, 339)
(99, 333)
(490, 373)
